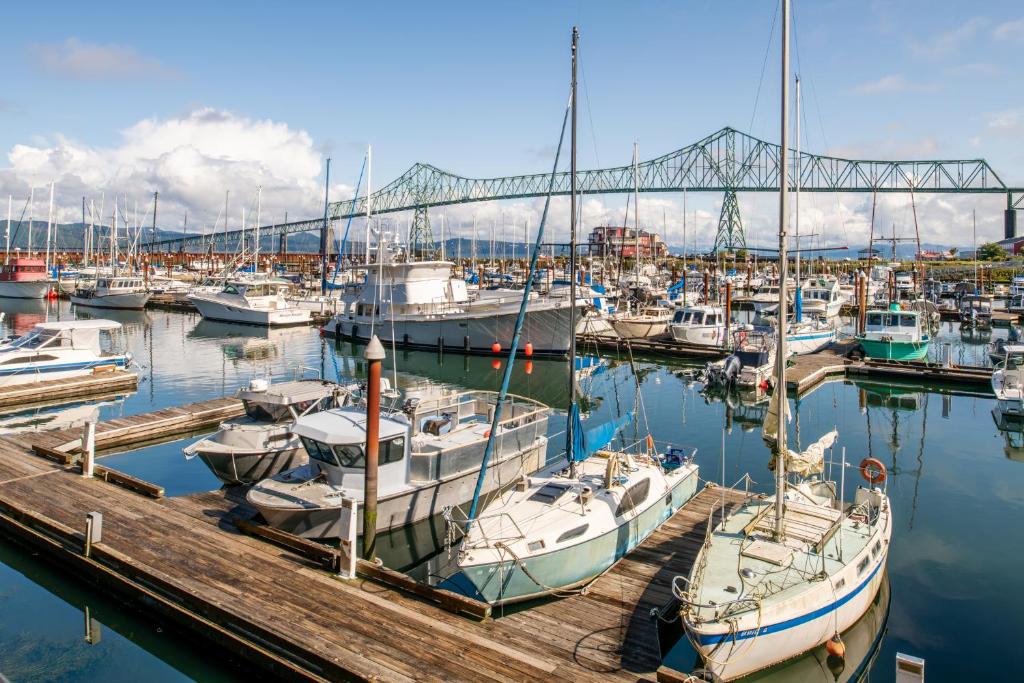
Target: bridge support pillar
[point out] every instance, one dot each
(730, 233)
(421, 237)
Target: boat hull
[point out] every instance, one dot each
(894, 350)
(546, 329)
(575, 565)
(28, 289)
(54, 371)
(699, 335)
(408, 506)
(804, 343)
(211, 309)
(133, 301)
(640, 329)
(250, 467)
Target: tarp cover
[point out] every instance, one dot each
(812, 460)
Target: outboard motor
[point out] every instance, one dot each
(724, 372)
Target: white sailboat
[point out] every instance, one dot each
(565, 525)
(780, 576)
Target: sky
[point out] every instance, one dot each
(192, 100)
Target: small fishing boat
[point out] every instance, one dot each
(895, 334)
(755, 351)
(648, 322)
(251, 302)
(976, 311)
(122, 292)
(822, 297)
(58, 350)
(430, 455)
(700, 325)
(24, 278)
(261, 443)
(1008, 381)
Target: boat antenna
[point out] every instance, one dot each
(507, 377)
(780, 347)
(571, 434)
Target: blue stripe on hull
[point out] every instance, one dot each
(795, 621)
(119, 362)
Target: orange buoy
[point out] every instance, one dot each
(872, 470)
(496, 347)
(528, 367)
(835, 647)
(528, 349)
(496, 364)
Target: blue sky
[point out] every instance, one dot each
(97, 97)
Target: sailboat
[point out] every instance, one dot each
(780, 576)
(562, 527)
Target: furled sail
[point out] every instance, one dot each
(777, 407)
(811, 460)
(586, 442)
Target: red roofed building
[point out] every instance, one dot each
(615, 241)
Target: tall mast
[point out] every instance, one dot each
(570, 440)
(259, 206)
(152, 234)
(227, 193)
(369, 208)
(636, 220)
(780, 346)
(7, 233)
(31, 215)
(113, 240)
(798, 298)
(49, 227)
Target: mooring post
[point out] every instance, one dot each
(728, 313)
(93, 531)
(88, 448)
(375, 355)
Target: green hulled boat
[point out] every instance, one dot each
(895, 335)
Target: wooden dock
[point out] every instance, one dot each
(807, 371)
(659, 347)
(105, 382)
(184, 561)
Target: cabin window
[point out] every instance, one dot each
(840, 583)
(549, 493)
(573, 533)
(350, 455)
(319, 451)
(906, 321)
(679, 316)
(862, 565)
(635, 495)
(711, 319)
(392, 451)
(263, 412)
(230, 289)
(874, 319)
(876, 549)
(310, 407)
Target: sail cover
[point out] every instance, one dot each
(777, 407)
(589, 441)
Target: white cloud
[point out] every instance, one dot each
(947, 43)
(190, 159)
(1006, 123)
(1010, 30)
(892, 83)
(974, 70)
(80, 61)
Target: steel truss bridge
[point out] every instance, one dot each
(727, 162)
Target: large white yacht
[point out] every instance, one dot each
(125, 292)
(58, 350)
(420, 305)
(251, 302)
(430, 457)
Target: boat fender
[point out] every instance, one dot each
(835, 647)
(872, 470)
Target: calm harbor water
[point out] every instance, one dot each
(955, 482)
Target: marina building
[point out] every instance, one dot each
(619, 242)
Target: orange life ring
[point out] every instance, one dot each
(872, 470)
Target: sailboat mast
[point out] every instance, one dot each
(570, 440)
(636, 220)
(780, 346)
(259, 207)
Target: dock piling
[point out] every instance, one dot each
(93, 531)
(89, 448)
(374, 355)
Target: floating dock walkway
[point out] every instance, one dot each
(270, 600)
(106, 382)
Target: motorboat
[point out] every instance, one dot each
(700, 325)
(251, 302)
(24, 278)
(261, 443)
(976, 311)
(59, 350)
(808, 335)
(822, 297)
(755, 351)
(895, 334)
(125, 292)
(1008, 381)
(431, 453)
(420, 305)
(646, 323)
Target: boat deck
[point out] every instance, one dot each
(185, 561)
(18, 396)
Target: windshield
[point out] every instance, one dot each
(263, 412)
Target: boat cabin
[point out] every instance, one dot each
(251, 290)
(897, 325)
(699, 316)
(57, 336)
(23, 270)
(113, 284)
(286, 401)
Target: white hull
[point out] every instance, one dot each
(640, 328)
(212, 309)
(699, 335)
(43, 373)
(809, 342)
(25, 290)
(132, 301)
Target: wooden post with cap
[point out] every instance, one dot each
(375, 355)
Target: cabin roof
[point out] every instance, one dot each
(345, 426)
(56, 325)
(286, 393)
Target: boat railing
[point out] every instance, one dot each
(726, 515)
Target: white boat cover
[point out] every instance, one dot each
(812, 460)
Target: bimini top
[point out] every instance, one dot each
(57, 325)
(345, 426)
